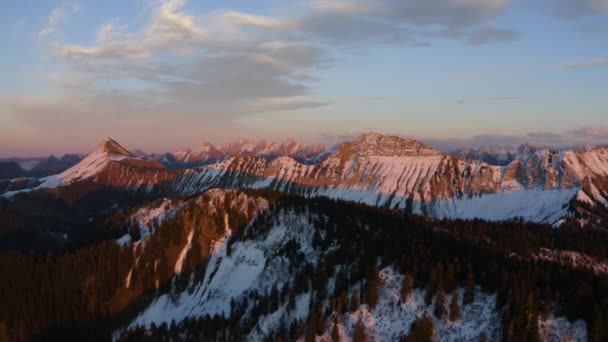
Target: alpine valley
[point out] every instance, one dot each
(376, 239)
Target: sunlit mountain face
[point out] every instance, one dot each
(355, 241)
(310, 170)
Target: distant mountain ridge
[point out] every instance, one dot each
(11, 169)
(539, 184)
(37, 167)
(207, 153)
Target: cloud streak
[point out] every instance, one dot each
(58, 15)
(587, 135)
(226, 64)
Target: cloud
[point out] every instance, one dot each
(225, 63)
(590, 63)
(414, 22)
(168, 29)
(184, 69)
(591, 135)
(573, 9)
(527, 69)
(592, 132)
(491, 35)
(58, 14)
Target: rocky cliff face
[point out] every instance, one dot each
(539, 185)
(169, 237)
(400, 173)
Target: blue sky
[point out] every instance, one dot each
(162, 75)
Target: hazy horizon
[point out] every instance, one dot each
(569, 139)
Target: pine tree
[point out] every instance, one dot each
(320, 321)
(343, 302)
(406, 287)
(359, 334)
(454, 307)
(469, 289)
(532, 334)
(547, 305)
(354, 301)
(311, 328)
(431, 287)
(335, 332)
(421, 330)
(373, 281)
(440, 304)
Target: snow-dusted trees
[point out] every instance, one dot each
(446, 255)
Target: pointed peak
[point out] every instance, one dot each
(289, 141)
(110, 146)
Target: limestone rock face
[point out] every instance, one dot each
(539, 184)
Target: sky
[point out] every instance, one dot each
(163, 75)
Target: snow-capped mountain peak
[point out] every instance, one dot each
(108, 153)
(205, 152)
(111, 147)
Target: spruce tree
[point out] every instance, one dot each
(421, 330)
(440, 304)
(454, 307)
(354, 301)
(406, 287)
(547, 306)
(469, 289)
(335, 332)
(359, 334)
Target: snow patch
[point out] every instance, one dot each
(183, 253)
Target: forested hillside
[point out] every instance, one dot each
(243, 265)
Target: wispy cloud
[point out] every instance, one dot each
(591, 135)
(589, 63)
(527, 69)
(226, 64)
(491, 35)
(168, 29)
(572, 9)
(58, 14)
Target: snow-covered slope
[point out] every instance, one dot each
(252, 265)
(270, 149)
(193, 229)
(108, 150)
(539, 185)
(204, 154)
(399, 173)
(111, 164)
(256, 263)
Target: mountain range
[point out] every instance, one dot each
(367, 239)
(540, 185)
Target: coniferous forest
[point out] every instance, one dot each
(80, 293)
